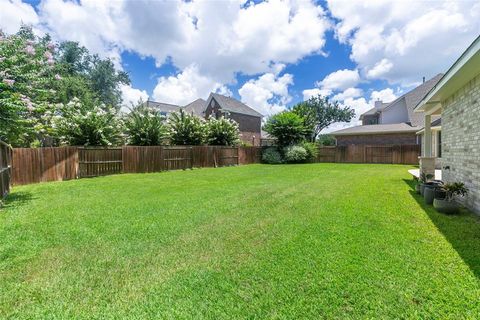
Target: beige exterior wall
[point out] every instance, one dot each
(461, 140)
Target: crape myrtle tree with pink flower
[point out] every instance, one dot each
(55, 94)
(44, 87)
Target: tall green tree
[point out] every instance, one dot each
(319, 112)
(287, 127)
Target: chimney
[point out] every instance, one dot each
(378, 104)
(423, 79)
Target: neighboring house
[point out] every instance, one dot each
(164, 108)
(196, 107)
(389, 123)
(456, 98)
(249, 120)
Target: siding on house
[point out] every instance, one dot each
(395, 113)
(461, 140)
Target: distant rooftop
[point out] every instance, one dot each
(233, 105)
(163, 107)
(377, 129)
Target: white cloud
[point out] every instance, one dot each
(132, 96)
(385, 95)
(268, 94)
(309, 93)
(347, 94)
(401, 41)
(340, 80)
(379, 69)
(186, 87)
(13, 13)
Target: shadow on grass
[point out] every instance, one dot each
(17, 199)
(462, 231)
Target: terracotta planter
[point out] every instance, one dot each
(445, 206)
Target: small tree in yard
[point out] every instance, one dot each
(145, 126)
(222, 132)
(186, 129)
(287, 127)
(319, 112)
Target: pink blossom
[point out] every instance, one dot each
(50, 46)
(9, 82)
(48, 55)
(58, 77)
(30, 50)
(50, 61)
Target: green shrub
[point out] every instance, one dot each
(326, 140)
(222, 132)
(271, 156)
(295, 154)
(312, 151)
(186, 129)
(145, 126)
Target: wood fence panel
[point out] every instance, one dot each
(94, 162)
(32, 165)
(327, 154)
(203, 156)
(177, 158)
(378, 154)
(249, 155)
(5, 169)
(227, 156)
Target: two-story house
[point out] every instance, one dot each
(393, 123)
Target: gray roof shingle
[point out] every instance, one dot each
(233, 105)
(196, 107)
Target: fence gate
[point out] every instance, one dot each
(94, 162)
(175, 158)
(378, 154)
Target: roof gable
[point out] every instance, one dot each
(197, 107)
(233, 105)
(163, 107)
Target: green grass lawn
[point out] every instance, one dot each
(282, 242)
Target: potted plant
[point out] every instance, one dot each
(430, 190)
(424, 179)
(449, 192)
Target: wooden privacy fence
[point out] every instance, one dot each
(389, 154)
(5, 168)
(31, 165)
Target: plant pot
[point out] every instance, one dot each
(422, 188)
(445, 206)
(417, 188)
(429, 193)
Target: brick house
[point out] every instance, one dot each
(389, 123)
(249, 120)
(456, 98)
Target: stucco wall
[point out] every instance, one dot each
(461, 140)
(394, 138)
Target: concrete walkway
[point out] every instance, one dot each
(416, 173)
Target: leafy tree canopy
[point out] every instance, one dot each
(287, 127)
(319, 112)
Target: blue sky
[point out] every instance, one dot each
(270, 55)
